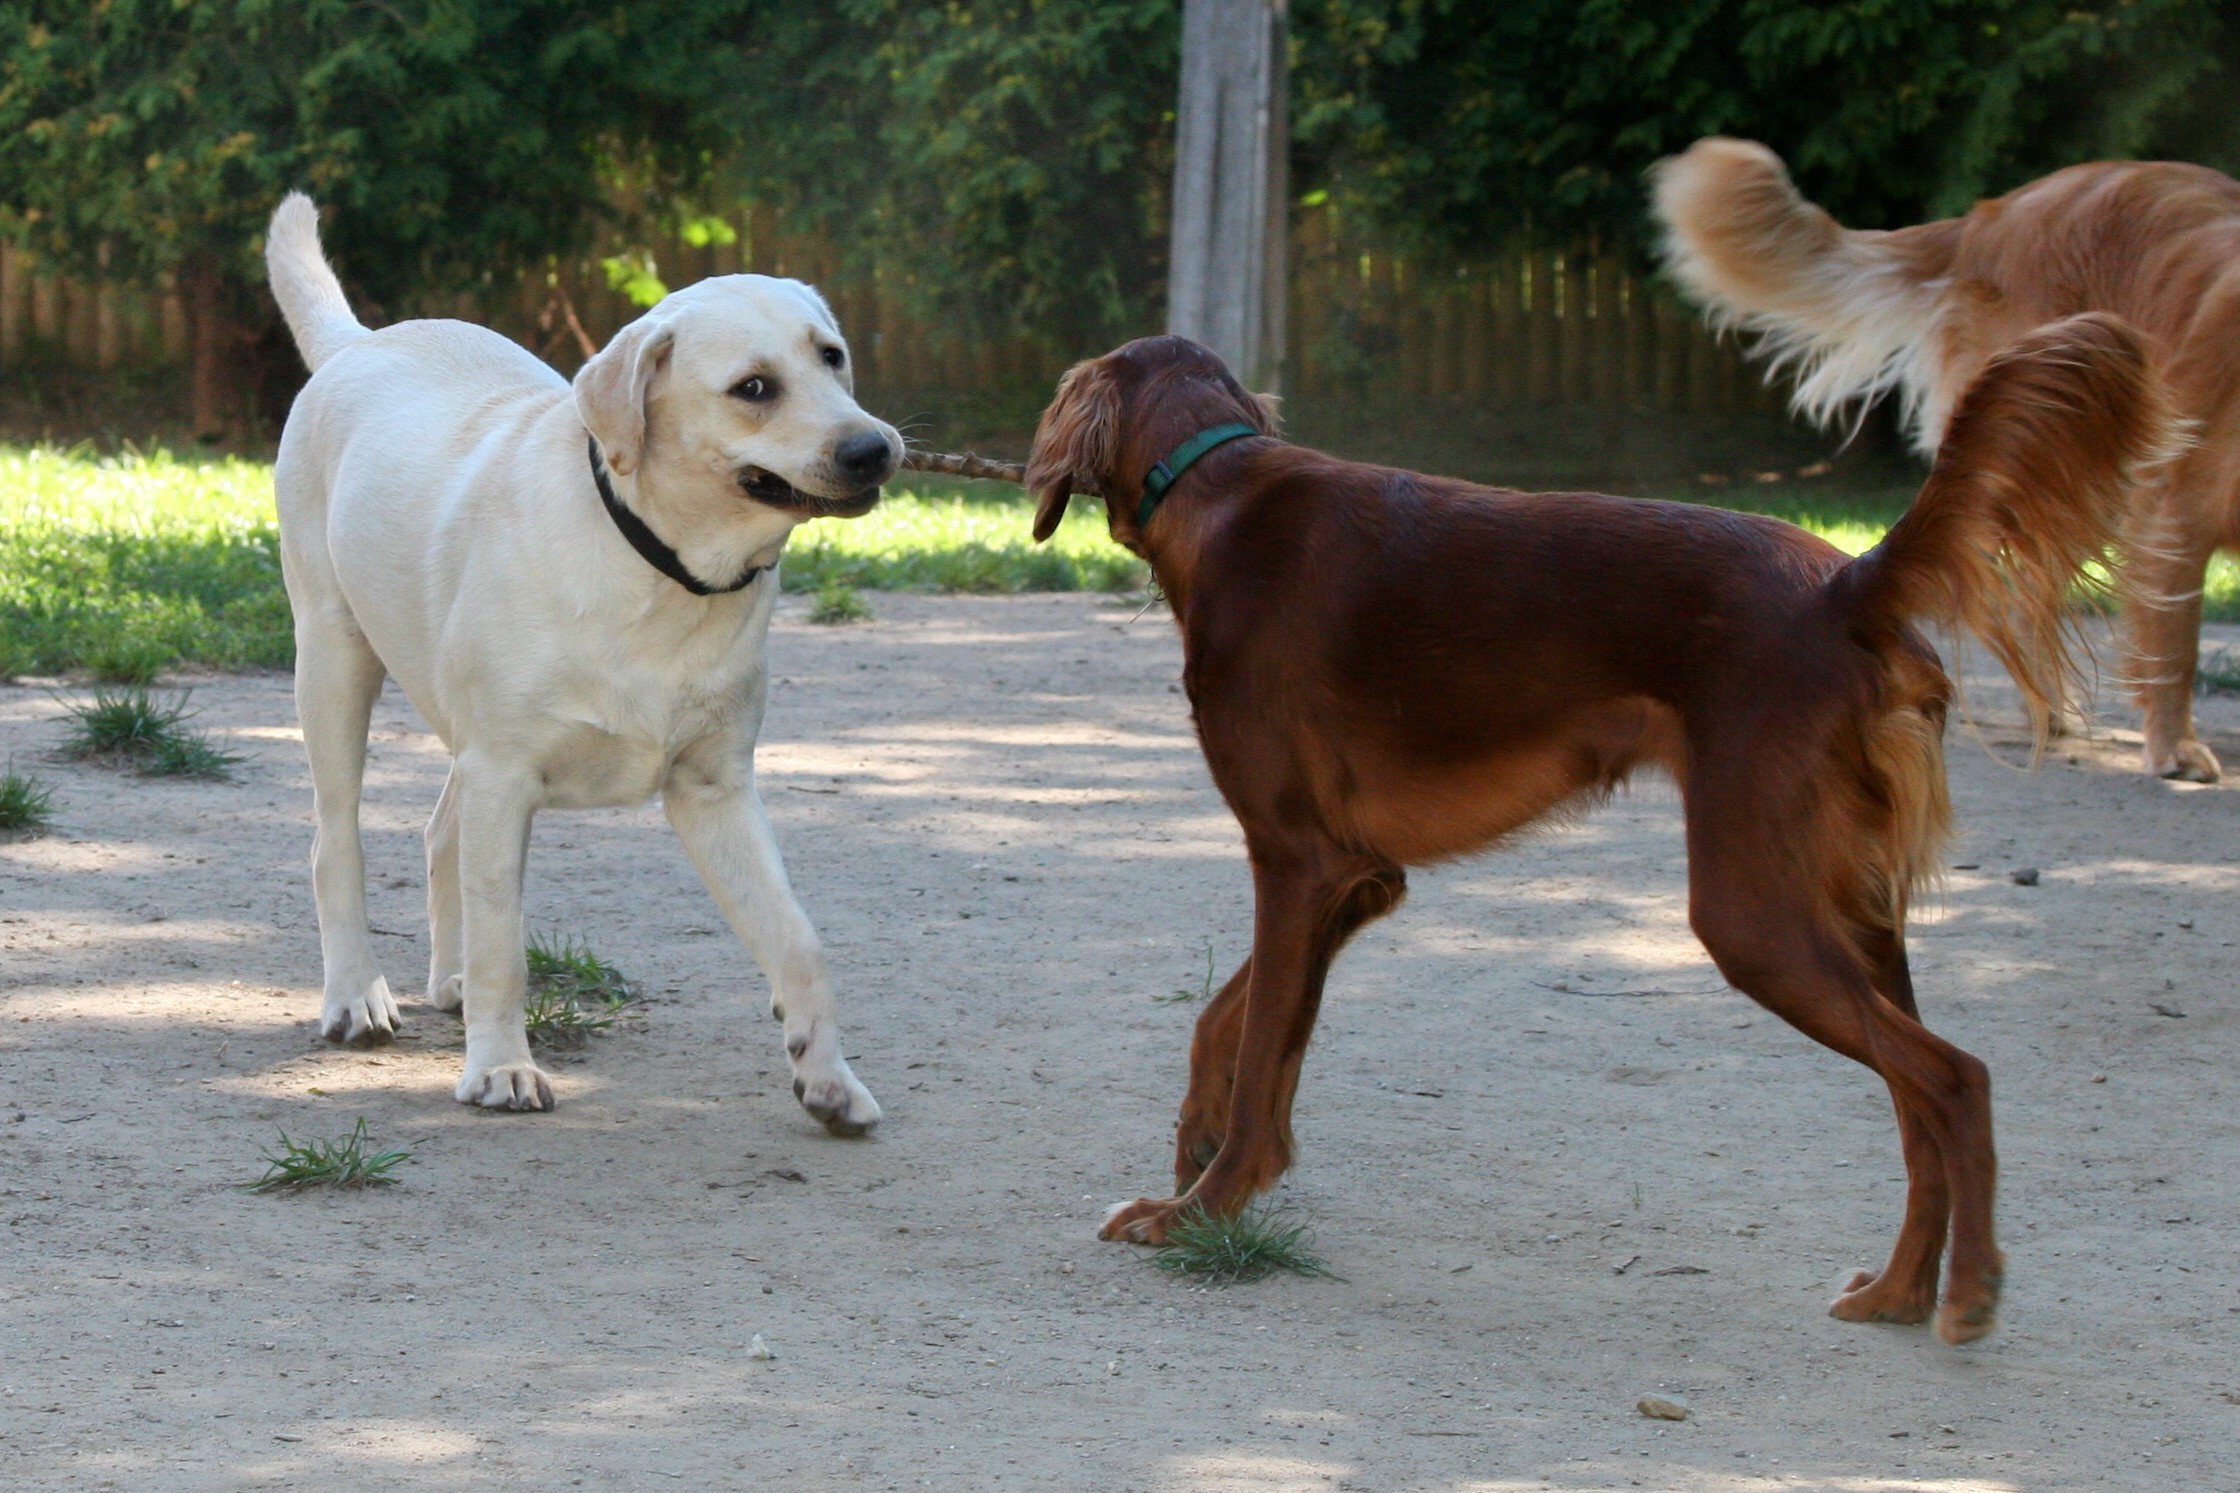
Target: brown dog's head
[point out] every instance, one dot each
(1116, 415)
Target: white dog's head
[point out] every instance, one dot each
(738, 391)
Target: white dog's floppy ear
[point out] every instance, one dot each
(612, 388)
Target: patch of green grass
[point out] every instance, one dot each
(838, 604)
(573, 993)
(1256, 1243)
(1205, 986)
(128, 726)
(340, 1164)
(935, 534)
(122, 566)
(26, 804)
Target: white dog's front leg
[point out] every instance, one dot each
(728, 836)
(494, 808)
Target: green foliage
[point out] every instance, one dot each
(1468, 124)
(573, 993)
(1256, 1243)
(459, 139)
(129, 727)
(343, 1164)
(26, 804)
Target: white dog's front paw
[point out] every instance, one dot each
(521, 1085)
(361, 1013)
(447, 992)
(843, 1105)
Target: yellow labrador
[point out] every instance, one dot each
(574, 587)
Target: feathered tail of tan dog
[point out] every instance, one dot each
(1851, 314)
(310, 296)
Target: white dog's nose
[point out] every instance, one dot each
(864, 459)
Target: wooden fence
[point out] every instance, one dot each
(1527, 328)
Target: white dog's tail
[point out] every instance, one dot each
(1851, 313)
(310, 296)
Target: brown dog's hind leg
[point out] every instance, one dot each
(1774, 945)
(1305, 909)
(1904, 1290)
(1213, 1074)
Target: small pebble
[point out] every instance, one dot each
(760, 1349)
(1657, 1407)
(2026, 876)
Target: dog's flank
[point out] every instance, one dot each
(1920, 311)
(1387, 669)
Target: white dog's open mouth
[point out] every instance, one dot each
(769, 487)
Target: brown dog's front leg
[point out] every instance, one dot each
(1302, 917)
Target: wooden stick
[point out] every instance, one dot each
(965, 464)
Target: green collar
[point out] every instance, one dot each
(1165, 474)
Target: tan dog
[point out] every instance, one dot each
(1918, 311)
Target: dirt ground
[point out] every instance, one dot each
(1544, 1200)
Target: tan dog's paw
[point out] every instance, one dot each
(2186, 761)
(1144, 1221)
(364, 1018)
(1867, 1299)
(447, 992)
(838, 1101)
(515, 1086)
(1968, 1312)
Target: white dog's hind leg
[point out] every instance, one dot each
(494, 809)
(727, 834)
(337, 678)
(447, 945)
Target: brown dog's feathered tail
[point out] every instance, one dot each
(2030, 488)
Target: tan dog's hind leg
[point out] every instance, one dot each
(2168, 565)
(447, 943)
(337, 678)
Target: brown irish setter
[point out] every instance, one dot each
(1856, 313)
(1388, 669)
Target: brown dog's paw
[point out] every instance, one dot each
(1867, 1299)
(1194, 1150)
(1968, 1314)
(1144, 1221)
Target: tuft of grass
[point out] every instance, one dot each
(838, 604)
(1256, 1243)
(573, 993)
(343, 1163)
(127, 726)
(1185, 993)
(26, 804)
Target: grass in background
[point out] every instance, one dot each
(1256, 1243)
(342, 1164)
(838, 604)
(573, 993)
(26, 804)
(128, 727)
(123, 566)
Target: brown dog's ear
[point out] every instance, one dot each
(1074, 444)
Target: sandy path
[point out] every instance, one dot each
(996, 813)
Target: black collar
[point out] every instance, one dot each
(648, 543)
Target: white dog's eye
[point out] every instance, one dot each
(834, 357)
(756, 390)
